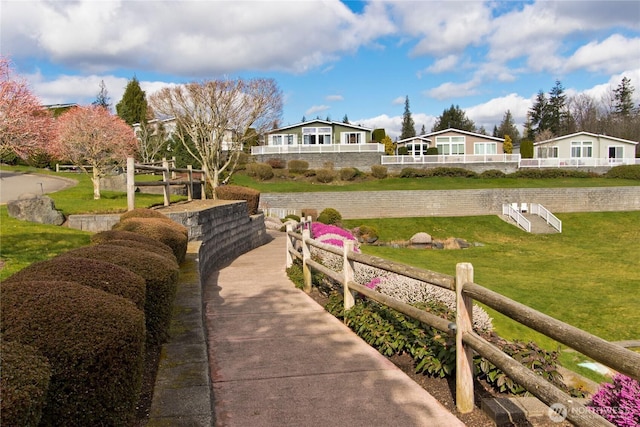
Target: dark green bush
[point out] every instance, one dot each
(526, 149)
(94, 342)
(452, 172)
(414, 173)
(160, 279)
(237, 192)
(276, 163)
(432, 151)
(260, 171)
(379, 171)
(94, 273)
(171, 234)
(348, 174)
(537, 173)
(325, 176)
(403, 151)
(329, 216)
(24, 383)
(624, 172)
(366, 234)
(492, 173)
(298, 166)
(296, 218)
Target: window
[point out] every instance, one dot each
(485, 148)
(450, 145)
(417, 149)
(352, 137)
(545, 152)
(283, 139)
(581, 149)
(616, 152)
(312, 136)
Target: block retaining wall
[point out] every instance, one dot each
(418, 203)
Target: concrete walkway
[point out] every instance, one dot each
(279, 359)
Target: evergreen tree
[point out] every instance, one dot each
(539, 118)
(304, 119)
(507, 127)
(495, 131)
(623, 101)
(378, 134)
(508, 145)
(102, 99)
(132, 108)
(482, 130)
(423, 131)
(408, 126)
(454, 117)
(345, 119)
(557, 109)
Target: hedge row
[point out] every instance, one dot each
(236, 192)
(74, 328)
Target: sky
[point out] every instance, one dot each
(332, 58)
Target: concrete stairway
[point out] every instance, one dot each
(539, 225)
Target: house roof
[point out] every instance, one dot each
(324, 122)
(464, 132)
(413, 138)
(595, 135)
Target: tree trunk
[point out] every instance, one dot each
(96, 184)
(214, 180)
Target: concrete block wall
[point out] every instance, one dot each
(93, 223)
(360, 161)
(398, 204)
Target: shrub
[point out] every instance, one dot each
(237, 192)
(143, 213)
(348, 174)
(492, 173)
(550, 173)
(432, 151)
(366, 233)
(379, 171)
(325, 176)
(276, 163)
(94, 273)
(309, 173)
(260, 171)
(452, 172)
(24, 383)
(121, 236)
(171, 234)
(618, 401)
(296, 218)
(403, 151)
(160, 280)
(313, 213)
(624, 172)
(298, 166)
(93, 341)
(163, 250)
(330, 216)
(413, 173)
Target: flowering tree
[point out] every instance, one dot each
(25, 126)
(93, 137)
(208, 113)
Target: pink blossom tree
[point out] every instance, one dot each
(25, 126)
(92, 138)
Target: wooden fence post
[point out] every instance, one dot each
(173, 166)
(289, 246)
(190, 184)
(131, 185)
(464, 355)
(348, 271)
(306, 255)
(203, 184)
(165, 178)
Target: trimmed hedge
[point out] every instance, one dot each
(298, 166)
(330, 216)
(163, 250)
(168, 233)
(150, 213)
(325, 175)
(160, 278)
(379, 171)
(24, 383)
(94, 342)
(120, 235)
(550, 173)
(260, 171)
(94, 273)
(624, 172)
(348, 174)
(237, 192)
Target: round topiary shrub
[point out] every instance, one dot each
(163, 250)
(260, 171)
(94, 342)
(160, 230)
(348, 174)
(122, 236)
(94, 273)
(492, 173)
(24, 383)
(298, 166)
(329, 216)
(276, 163)
(142, 213)
(160, 278)
(379, 171)
(624, 172)
(325, 175)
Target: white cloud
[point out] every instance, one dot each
(398, 101)
(453, 90)
(316, 109)
(333, 98)
(447, 63)
(611, 55)
(491, 113)
(393, 124)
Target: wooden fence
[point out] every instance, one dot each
(166, 183)
(612, 355)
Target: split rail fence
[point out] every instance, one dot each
(467, 341)
(167, 173)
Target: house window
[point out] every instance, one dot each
(581, 149)
(352, 137)
(417, 149)
(547, 152)
(485, 148)
(616, 153)
(283, 139)
(450, 145)
(319, 135)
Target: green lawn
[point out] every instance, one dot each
(587, 276)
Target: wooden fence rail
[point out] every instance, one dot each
(166, 182)
(467, 341)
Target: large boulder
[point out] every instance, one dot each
(420, 239)
(272, 223)
(34, 208)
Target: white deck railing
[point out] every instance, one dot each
(318, 148)
(542, 212)
(445, 159)
(512, 211)
(558, 162)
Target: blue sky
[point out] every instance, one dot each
(332, 58)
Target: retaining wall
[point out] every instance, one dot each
(360, 161)
(418, 203)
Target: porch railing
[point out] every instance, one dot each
(544, 213)
(318, 148)
(447, 159)
(559, 162)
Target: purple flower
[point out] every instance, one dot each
(374, 283)
(618, 401)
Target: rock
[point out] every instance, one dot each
(463, 244)
(33, 208)
(451, 243)
(421, 239)
(272, 223)
(437, 245)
